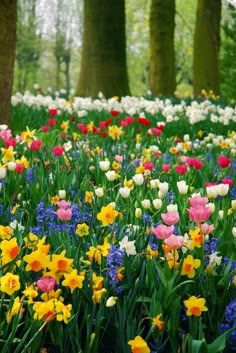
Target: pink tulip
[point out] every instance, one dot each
(207, 228)
(199, 213)
(223, 161)
(45, 284)
(162, 231)
(58, 150)
(198, 201)
(64, 215)
(181, 168)
(170, 218)
(166, 167)
(174, 242)
(63, 204)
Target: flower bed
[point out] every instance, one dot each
(117, 227)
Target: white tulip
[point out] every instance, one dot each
(124, 192)
(157, 203)
(138, 212)
(110, 175)
(182, 187)
(3, 173)
(104, 165)
(62, 194)
(163, 187)
(99, 192)
(138, 179)
(146, 203)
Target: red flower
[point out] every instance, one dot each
(19, 168)
(10, 142)
(156, 131)
(36, 145)
(165, 167)
(114, 113)
(44, 128)
(104, 134)
(122, 123)
(209, 184)
(181, 168)
(73, 117)
(161, 127)
(148, 165)
(193, 162)
(53, 112)
(143, 121)
(63, 135)
(227, 181)
(52, 122)
(223, 161)
(58, 150)
(129, 120)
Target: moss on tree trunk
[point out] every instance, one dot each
(162, 56)
(8, 11)
(103, 64)
(206, 47)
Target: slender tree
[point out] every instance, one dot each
(103, 64)
(8, 14)
(206, 47)
(162, 54)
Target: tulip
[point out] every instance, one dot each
(174, 242)
(146, 203)
(157, 203)
(124, 192)
(162, 231)
(138, 212)
(104, 165)
(63, 214)
(199, 213)
(182, 187)
(46, 284)
(110, 175)
(170, 218)
(163, 187)
(138, 179)
(99, 192)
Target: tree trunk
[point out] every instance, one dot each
(206, 47)
(8, 13)
(162, 54)
(103, 65)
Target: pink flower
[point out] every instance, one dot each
(119, 158)
(166, 167)
(198, 200)
(36, 145)
(199, 213)
(122, 123)
(63, 214)
(46, 284)
(52, 112)
(162, 231)
(182, 159)
(227, 181)
(181, 168)
(155, 131)
(129, 120)
(52, 122)
(63, 204)
(170, 218)
(207, 228)
(11, 142)
(58, 150)
(148, 165)
(5, 134)
(194, 162)
(223, 161)
(174, 242)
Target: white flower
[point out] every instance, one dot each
(146, 203)
(221, 214)
(3, 173)
(154, 183)
(163, 187)
(138, 179)
(128, 246)
(99, 192)
(234, 232)
(14, 225)
(111, 301)
(157, 203)
(214, 259)
(172, 208)
(110, 175)
(212, 191)
(233, 205)
(104, 165)
(222, 189)
(124, 192)
(11, 166)
(212, 206)
(67, 146)
(138, 212)
(62, 194)
(182, 187)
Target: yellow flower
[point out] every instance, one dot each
(88, 196)
(55, 199)
(157, 322)
(151, 253)
(98, 294)
(140, 169)
(111, 301)
(73, 280)
(65, 125)
(196, 238)
(9, 283)
(200, 133)
(5, 232)
(36, 261)
(27, 136)
(23, 161)
(63, 311)
(173, 150)
(138, 138)
(59, 265)
(195, 306)
(30, 292)
(16, 307)
(52, 294)
(189, 266)
(45, 310)
(97, 281)
(223, 145)
(14, 208)
(129, 183)
(10, 249)
(98, 252)
(8, 154)
(115, 132)
(138, 345)
(107, 215)
(90, 126)
(82, 229)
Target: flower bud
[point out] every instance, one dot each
(104, 165)
(146, 203)
(124, 192)
(233, 205)
(212, 207)
(182, 187)
(163, 187)
(221, 214)
(234, 232)
(138, 179)
(11, 166)
(99, 192)
(110, 175)
(3, 173)
(157, 203)
(62, 194)
(138, 212)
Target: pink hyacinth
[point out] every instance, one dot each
(46, 284)
(64, 215)
(162, 231)
(198, 201)
(199, 213)
(174, 242)
(170, 218)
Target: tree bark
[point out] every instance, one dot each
(8, 14)
(103, 64)
(206, 47)
(162, 54)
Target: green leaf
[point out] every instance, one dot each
(220, 342)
